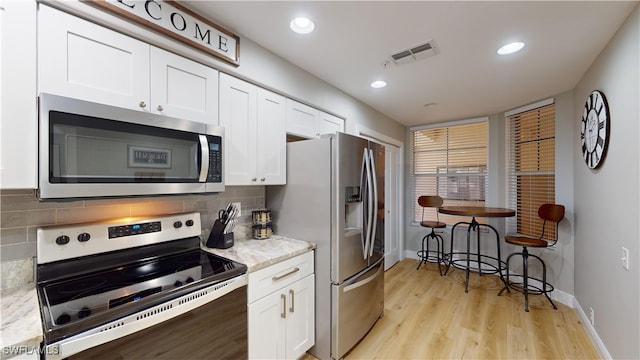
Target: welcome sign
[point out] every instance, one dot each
(179, 23)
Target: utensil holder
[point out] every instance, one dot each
(217, 238)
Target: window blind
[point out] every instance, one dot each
(531, 176)
(450, 162)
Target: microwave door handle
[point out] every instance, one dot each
(204, 159)
(374, 208)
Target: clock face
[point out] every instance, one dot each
(594, 134)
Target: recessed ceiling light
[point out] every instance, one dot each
(511, 48)
(302, 25)
(378, 84)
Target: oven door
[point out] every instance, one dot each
(85, 146)
(210, 323)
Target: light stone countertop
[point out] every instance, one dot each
(21, 326)
(258, 254)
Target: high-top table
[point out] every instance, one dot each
(481, 264)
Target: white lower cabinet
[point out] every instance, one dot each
(281, 309)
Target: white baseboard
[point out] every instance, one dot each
(592, 332)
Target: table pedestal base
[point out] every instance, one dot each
(480, 264)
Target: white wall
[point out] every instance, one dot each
(607, 200)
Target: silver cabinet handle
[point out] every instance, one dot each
(160, 108)
(284, 306)
(142, 104)
(276, 278)
(291, 309)
(262, 179)
(254, 179)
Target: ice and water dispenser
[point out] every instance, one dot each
(353, 211)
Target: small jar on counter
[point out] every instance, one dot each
(261, 216)
(261, 231)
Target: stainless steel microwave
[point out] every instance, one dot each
(93, 150)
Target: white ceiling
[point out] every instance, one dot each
(465, 78)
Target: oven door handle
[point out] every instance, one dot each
(142, 320)
(204, 158)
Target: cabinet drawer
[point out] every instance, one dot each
(268, 280)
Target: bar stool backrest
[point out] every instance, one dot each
(430, 201)
(553, 213)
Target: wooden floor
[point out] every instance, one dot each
(427, 316)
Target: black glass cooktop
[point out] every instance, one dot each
(99, 294)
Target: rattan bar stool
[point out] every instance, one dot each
(548, 213)
(426, 254)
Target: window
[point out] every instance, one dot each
(531, 156)
(452, 163)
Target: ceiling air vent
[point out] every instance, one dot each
(415, 53)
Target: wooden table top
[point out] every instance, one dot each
(479, 211)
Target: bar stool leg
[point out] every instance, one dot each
(440, 249)
(525, 280)
(424, 254)
(466, 283)
(506, 282)
(421, 255)
(544, 281)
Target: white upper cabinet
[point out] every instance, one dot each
(271, 139)
(308, 122)
(79, 59)
(18, 117)
(255, 133)
(183, 88)
(82, 60)
(327, 124)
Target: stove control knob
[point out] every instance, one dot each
(84, 312)
(189, 280)
(177, 224)
(178, 283)
(84, 237)
(189, 222)
(63, 319)
(62, 240)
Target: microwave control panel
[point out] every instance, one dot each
(214, 175)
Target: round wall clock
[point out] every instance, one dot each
(594, 132)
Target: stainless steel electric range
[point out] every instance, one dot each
(138, 288)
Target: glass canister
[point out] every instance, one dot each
(261, 231)
(261, 224)
(261, 216)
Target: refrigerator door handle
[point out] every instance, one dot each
(363, 282)
(370, 205)
(374, 208)
(363, 186)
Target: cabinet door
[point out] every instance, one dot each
(328, 124)
(301, 119)
(271, 139)
(267, 327)
(79, 59)
(300, 317)
(18, 117)
(238, 109)
(183, 88)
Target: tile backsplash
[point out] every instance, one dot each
(21, 213)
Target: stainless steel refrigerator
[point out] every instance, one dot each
(334, 197)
